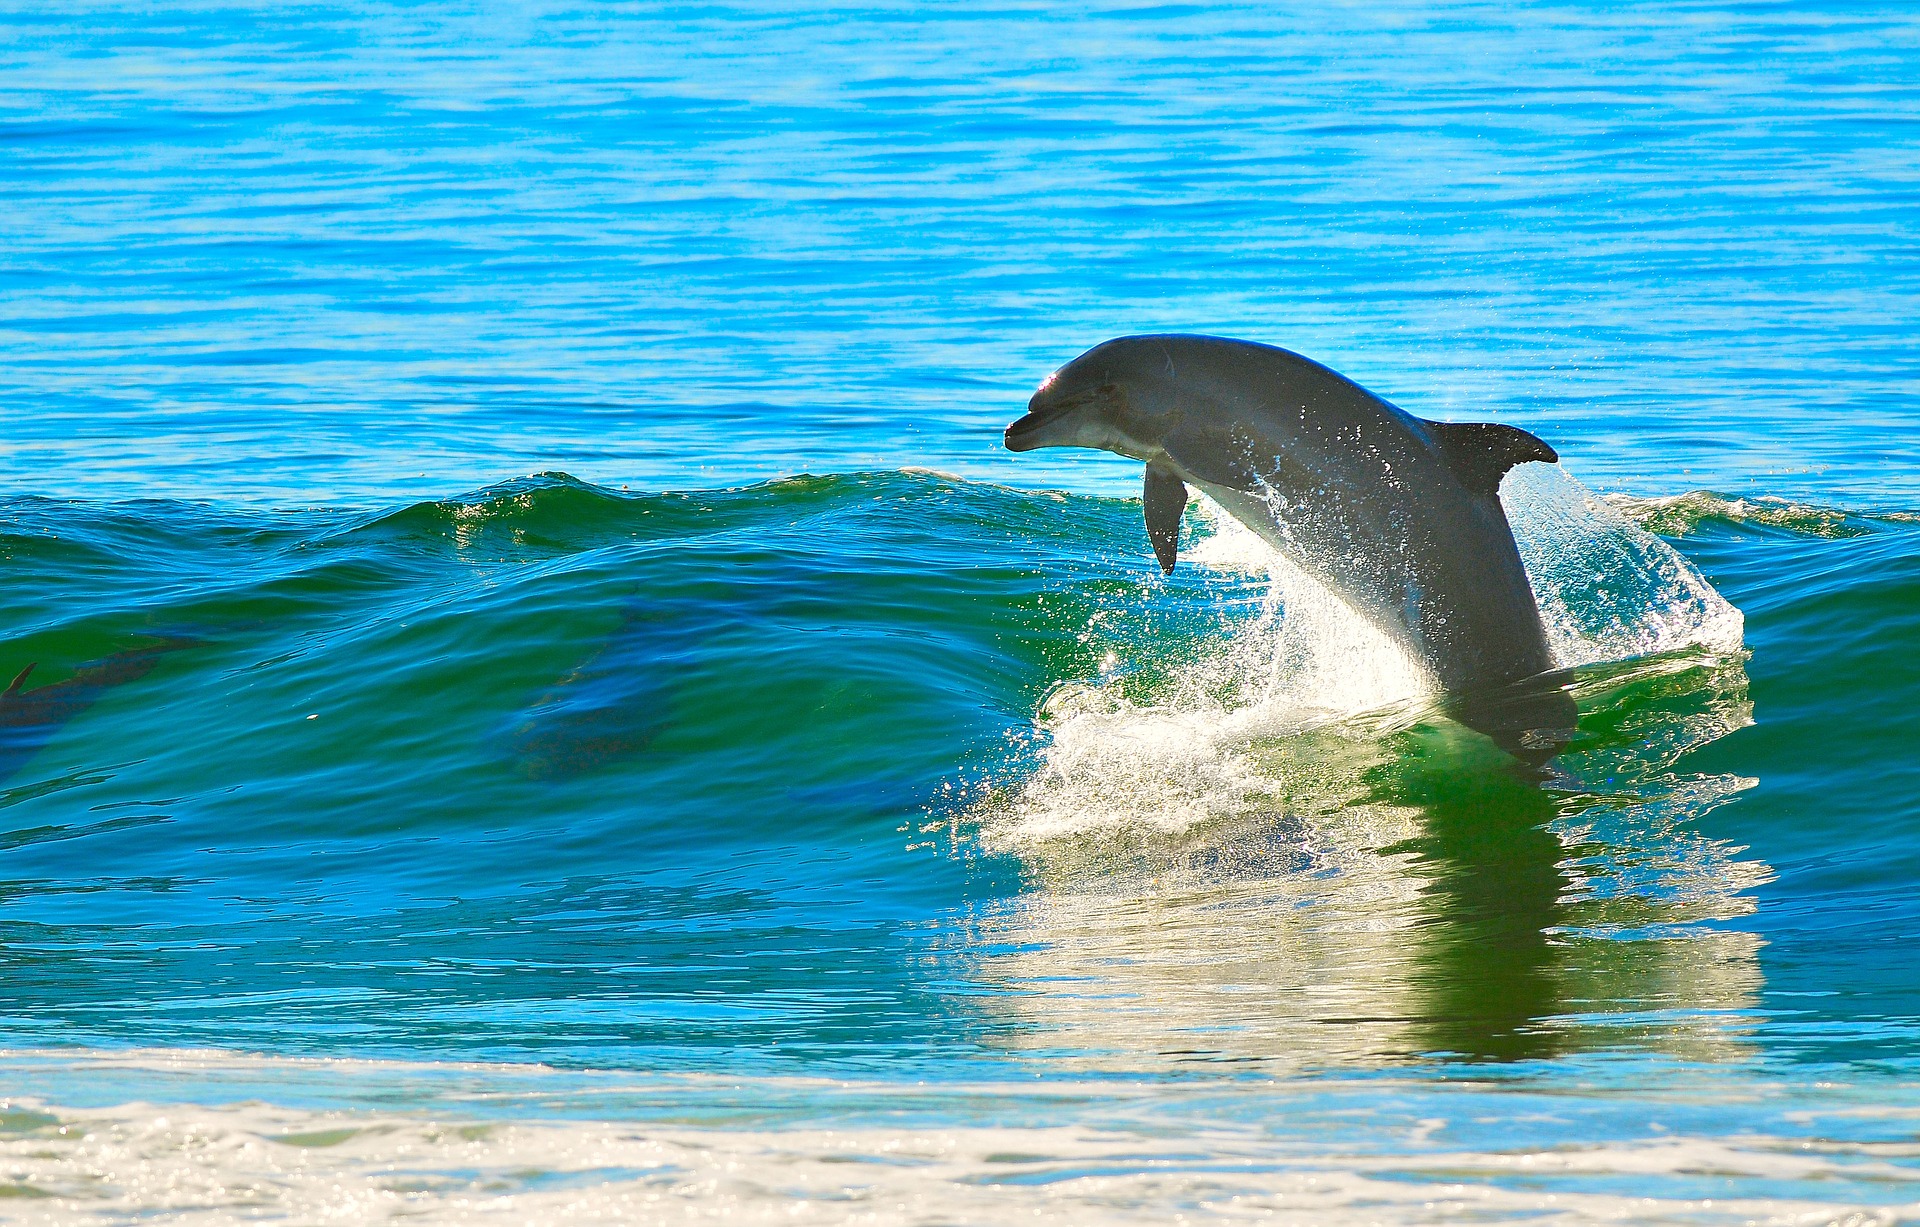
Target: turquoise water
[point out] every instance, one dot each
(549, 698)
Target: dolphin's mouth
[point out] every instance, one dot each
(1029, 432)
(1024, 435)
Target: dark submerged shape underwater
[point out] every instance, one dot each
(1399, 515)
(30, 718)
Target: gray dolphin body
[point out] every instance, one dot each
(1399, 515)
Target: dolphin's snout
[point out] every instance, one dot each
(1022, 436)
(1051, 419)
(1029, 431)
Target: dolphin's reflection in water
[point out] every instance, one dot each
(1381, 898)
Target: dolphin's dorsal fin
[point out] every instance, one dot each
(1166, 498)
(18, 678)
(1480, 453)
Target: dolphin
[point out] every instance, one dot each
(617, 700)
(30, 718)
(1398, 515)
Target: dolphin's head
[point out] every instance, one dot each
(1111, 398)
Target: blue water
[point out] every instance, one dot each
(534, 627)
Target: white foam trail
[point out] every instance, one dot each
(1304, 660)
(1185, 761)
(1607, 590)
(1313, 653)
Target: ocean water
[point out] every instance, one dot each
(545, 700)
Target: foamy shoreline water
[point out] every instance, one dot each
(1166, 1154)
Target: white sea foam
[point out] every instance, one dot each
(204, 1164)
(1680, 514)
(1305, 661)
(1608, 589)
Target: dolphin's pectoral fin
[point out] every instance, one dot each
(1166, 499)
(1480, 453)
